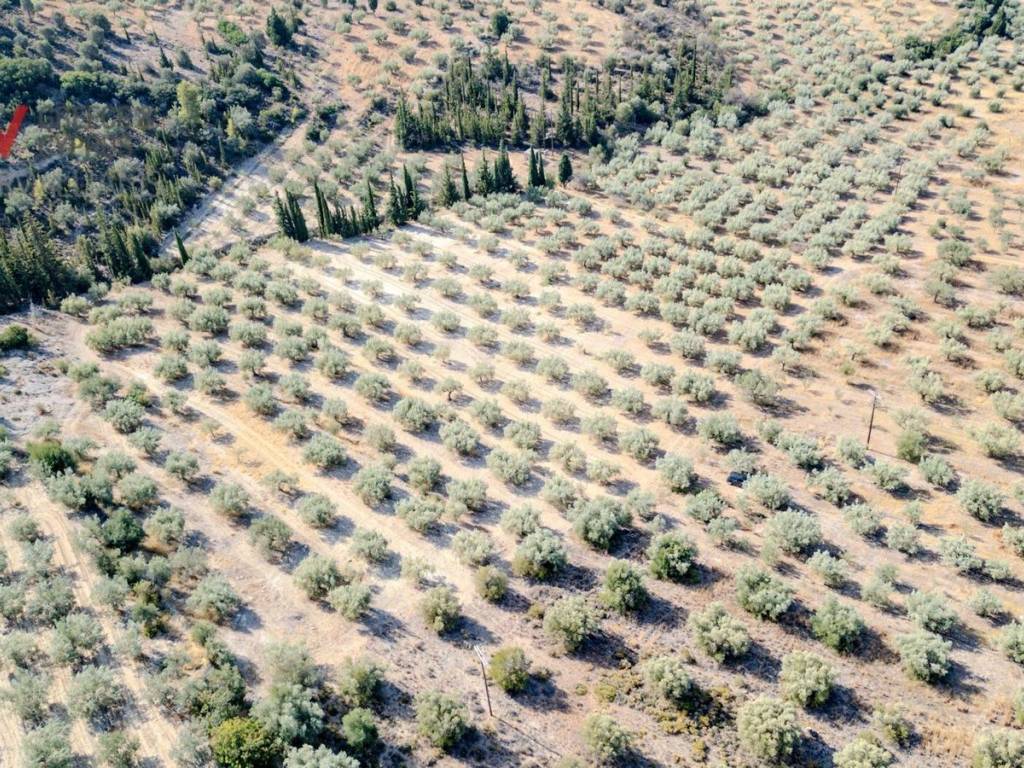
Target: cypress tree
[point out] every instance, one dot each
(395, 209)
(298, 220)
(448, 193)
(370, 220)
(484, 178)
(283, 217)
(182, 253)
(564, 169)
(466, 191)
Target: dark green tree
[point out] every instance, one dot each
(564, 169)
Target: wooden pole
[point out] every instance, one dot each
(871, 423)
(483, 674)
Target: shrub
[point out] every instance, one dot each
(979, 499)
(414, 415)
(372, 484)
(370, 545)
(270, 536)
(48, 746)
(598, 521)
(324, 452)
(838, 626)
(832, 570)
(94, 694)
(440, 718)
(762, 594)
(677, 472)
(317, 575)
(360, 733)
(936, 471)
(473, 547)
(424, 473)
(509, 668)
(124, 415)
(999, 748)
(15, 337)
(358, 682)
(667, 676)
(321, 757)
(721, 430)
(924, 656)
(117, 749)
(350, 600)
(768, 729)
(229, 499)
(458, 436)
(440, 609)
(863, 752)
(793, 531)
(931, 611)
(718, 634)
(570, 622)
(639, 443)
(183, 465)
(806, 679)
(317, 510)
(511, 468)
(539, 555)
(767, 491)
(214, 599)
(1011, 641)
(520, 521)
(623, 589)
(241, 742)
(894, 726)
(606, 740)
(672, 556)
(491, 584)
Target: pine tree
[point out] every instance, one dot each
(520, 125)
(564, 169)
(538, 128)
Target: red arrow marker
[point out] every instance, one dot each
(8, 136)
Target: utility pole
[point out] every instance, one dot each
(483, 674)
(871, 423)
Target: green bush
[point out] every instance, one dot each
(540, 555)
(999, 748)
(718, 634)
(352, 601)
(667, 676)
(979, 499)
(623, 589)
(606, 740)
(793, 531)
(372, 484)
(768, 729)
(598, 521)
(924, 656)
(214, 599)
(1011, 641)
(931, 611)
(838, 626)
(15, 337)
(509, 668)
(440, 609)
(491, 583)
(762, 594)
(317, 575)
(570, 622)
(672, 556)
(241, 742)
(806, 679)
(441, 719)
(863, 752)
